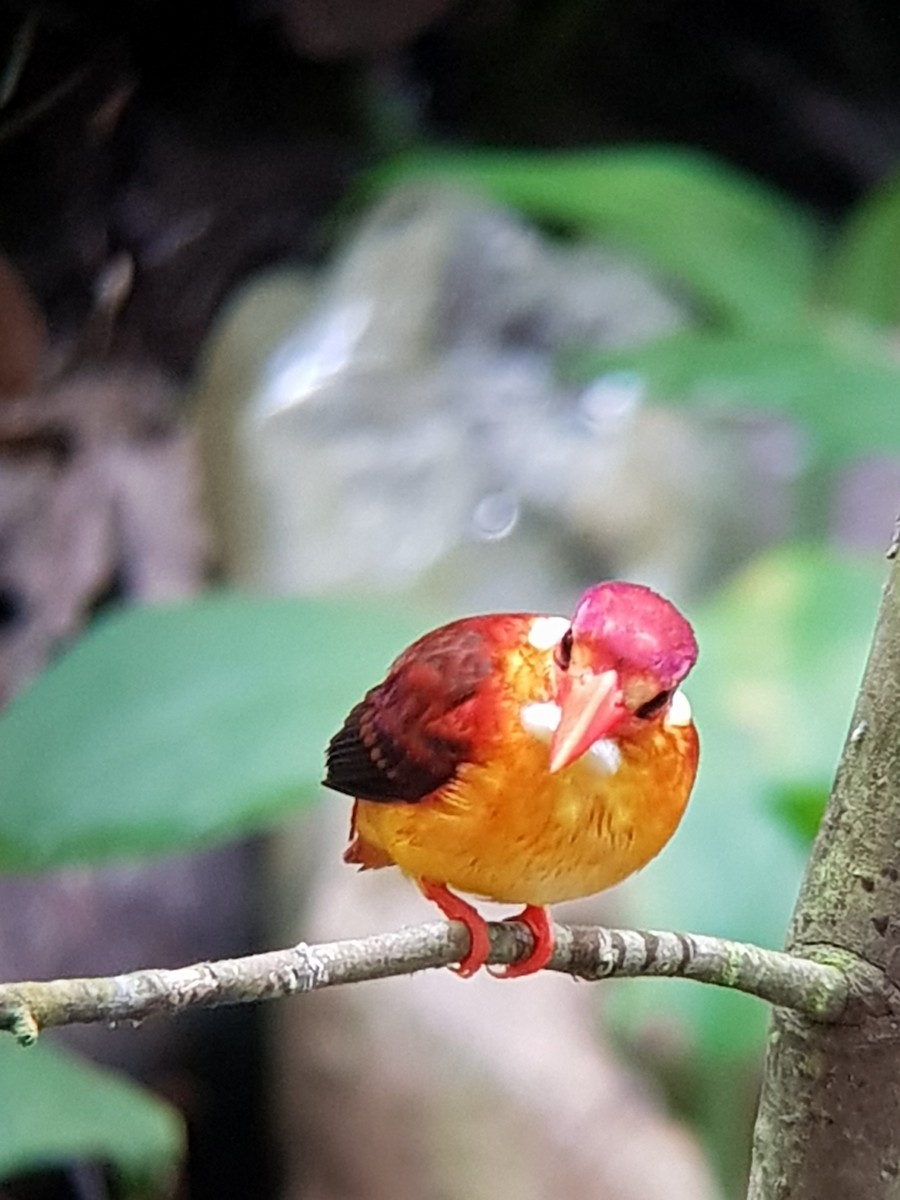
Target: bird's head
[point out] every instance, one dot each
(617, 666)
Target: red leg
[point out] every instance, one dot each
(538, 922)
(456, 909)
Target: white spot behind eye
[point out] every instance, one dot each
(545, 632)
(541, 719)
(679, 710)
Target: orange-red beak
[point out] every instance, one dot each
(591, 705)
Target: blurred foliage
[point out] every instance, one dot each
(184, 723)
(163, 728)
(782, 649)
(772, 710)
(744, 252)
(841, 385)
(754, 267)
(799, 807)
(56, 1109)
(865, 266)
(171, 726)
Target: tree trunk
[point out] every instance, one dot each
(829, 1116)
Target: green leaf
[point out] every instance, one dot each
(782, 649)
(865, 262)
(799, 808)
(164, 727)
(843, 386)
(740, 248)
(57, 1109)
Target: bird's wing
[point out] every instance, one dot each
(410, 734)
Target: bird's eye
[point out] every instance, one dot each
(652, 707)
(563, 654)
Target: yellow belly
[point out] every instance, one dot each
(510, 831)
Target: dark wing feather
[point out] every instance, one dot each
(409, 735)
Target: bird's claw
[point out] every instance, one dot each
(455, 908)
(537, 921)
(533, 917)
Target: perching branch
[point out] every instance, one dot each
(822, 991)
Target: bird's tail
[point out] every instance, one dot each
(359, 851)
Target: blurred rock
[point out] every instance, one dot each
(408, 429)
(679, 499)
(433, 1088)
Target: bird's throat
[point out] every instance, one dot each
(541, 720)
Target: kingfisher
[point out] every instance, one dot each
(524, 758)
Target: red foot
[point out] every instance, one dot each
(456, 909)
(538, 922)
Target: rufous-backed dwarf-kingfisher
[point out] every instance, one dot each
(523, 758)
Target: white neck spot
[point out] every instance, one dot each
(606, 754)
(541, 719)
(545, 632)
(679, 710)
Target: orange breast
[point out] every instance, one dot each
(506, 829)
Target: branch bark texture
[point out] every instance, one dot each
(829, 1117)
(822, 992)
